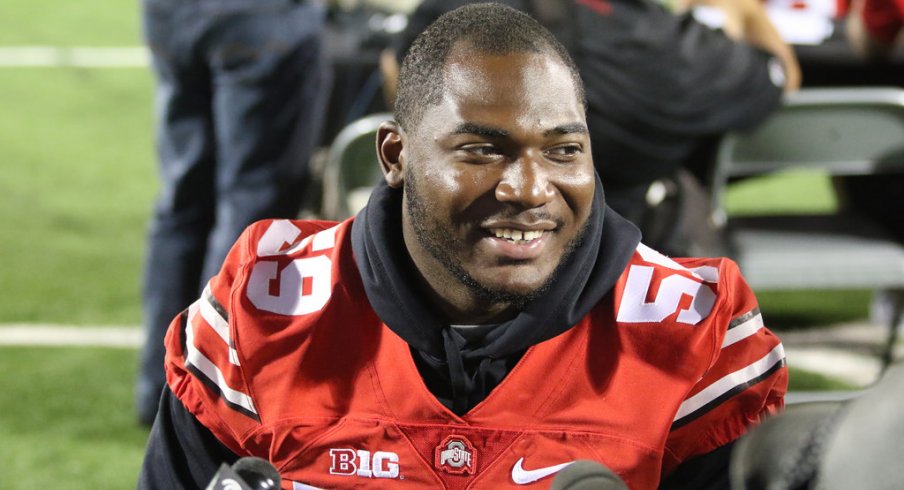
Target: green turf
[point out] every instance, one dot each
(803, 380)
(804, 193)
(781, 193)
(67, 420)
(75, 23)
(78, 179)
(806, 309)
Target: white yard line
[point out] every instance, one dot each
(74, 56)
(62, 335)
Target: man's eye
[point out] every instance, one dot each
(564, 151)
(483, 150)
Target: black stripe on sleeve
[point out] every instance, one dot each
(725, 396)
(203, 377)
(743, 318)
(216, 389)
(183, 324)
(219, 308)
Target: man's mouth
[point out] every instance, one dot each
(517, 236)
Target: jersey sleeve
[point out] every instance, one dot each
(203, 369)
(207, 368)
(746, 381)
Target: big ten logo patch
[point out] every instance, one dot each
(351, 462)
(455, 455)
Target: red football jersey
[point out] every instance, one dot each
(282, 357)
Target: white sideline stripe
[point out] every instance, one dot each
(64, 336)
(76, 56)
(744, 330)
(728, 382)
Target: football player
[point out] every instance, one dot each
(485, 321)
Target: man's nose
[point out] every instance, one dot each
(525, 181)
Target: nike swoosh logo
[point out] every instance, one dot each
(524, 477)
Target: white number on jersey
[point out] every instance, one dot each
(634, 307)
(288, 295)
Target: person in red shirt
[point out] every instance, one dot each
(873, 26)
(486, 319)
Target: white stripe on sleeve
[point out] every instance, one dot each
(743, 330)
(217, 322)
(206, 367)
(737, 379)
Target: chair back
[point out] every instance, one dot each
(352, 167)
(842, 131)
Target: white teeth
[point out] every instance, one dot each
(517, 235)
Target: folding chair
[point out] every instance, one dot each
(352, 169)
(842, 132)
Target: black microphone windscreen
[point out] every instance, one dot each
(258, 473)
(782, 452)
(227, 479)
(867, 448)
(587, 475)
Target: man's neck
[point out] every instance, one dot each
(457, 304)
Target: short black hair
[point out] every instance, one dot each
(490, 28)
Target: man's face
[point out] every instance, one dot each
(498, 177)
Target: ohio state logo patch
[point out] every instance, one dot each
(455, 455)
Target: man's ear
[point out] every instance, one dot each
(390, 143)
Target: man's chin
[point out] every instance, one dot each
(514, 292)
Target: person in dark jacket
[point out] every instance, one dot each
(660, 89)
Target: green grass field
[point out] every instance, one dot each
(76, 23)
(77, 179)
(67, 419)
(78, 182)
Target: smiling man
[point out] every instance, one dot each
(485, 321)
(498, 183)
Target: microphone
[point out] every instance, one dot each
(248, 473)
(784, 451)
(864, 450)
(585, 474)
(836, 445)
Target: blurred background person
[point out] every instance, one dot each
(873, 30)
(874, 27)
(241, 88)
(661, 88)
